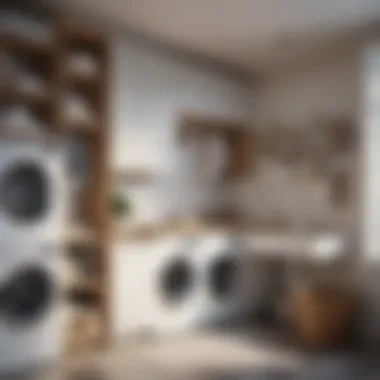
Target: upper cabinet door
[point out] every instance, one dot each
(238, 141)
(241, 154)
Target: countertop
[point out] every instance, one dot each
(276, 241)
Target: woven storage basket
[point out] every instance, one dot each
(324, 316)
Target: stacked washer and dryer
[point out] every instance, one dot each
(32, 214)
(180, 284)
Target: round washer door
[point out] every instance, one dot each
(225, 278)
(176, 282)
(24, 192)
(27, 296)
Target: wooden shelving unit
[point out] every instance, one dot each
(13, 95)
(92, 231)
(38, 60)
(52, 64)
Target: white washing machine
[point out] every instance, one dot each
(230, 279)
(174, 285)
(32, 193)
(30, 316)
(155, 287)
(33, 205)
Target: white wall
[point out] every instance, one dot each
(371, 152)
(371, 187)
(150, 90)
(320, 90)
(302, 98)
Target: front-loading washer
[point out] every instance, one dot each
(155, 288)
(30, 316)
(229, 278)
(174, 285)
(33, 193)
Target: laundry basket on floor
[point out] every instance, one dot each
(324, 316)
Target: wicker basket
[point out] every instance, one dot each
(324, 316)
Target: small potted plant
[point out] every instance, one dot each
(119, 205)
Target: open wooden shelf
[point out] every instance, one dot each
(13, 95)
(80, 127)
(84, 83)
(90, 286)
(77, 36)
(43, 137)
(80, 234)
(27, 47)
(35, 59)
(85, 332)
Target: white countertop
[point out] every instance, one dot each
(320, 247)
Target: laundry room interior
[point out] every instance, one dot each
(175, 201)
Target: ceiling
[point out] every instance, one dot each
(251, 35)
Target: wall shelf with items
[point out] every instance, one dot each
(239, 143)
(82, 77)
(90, 287)
(78, 113)
(84, 330)
(28, 67)
(25, 115)
(83, 289)
(27, 103)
